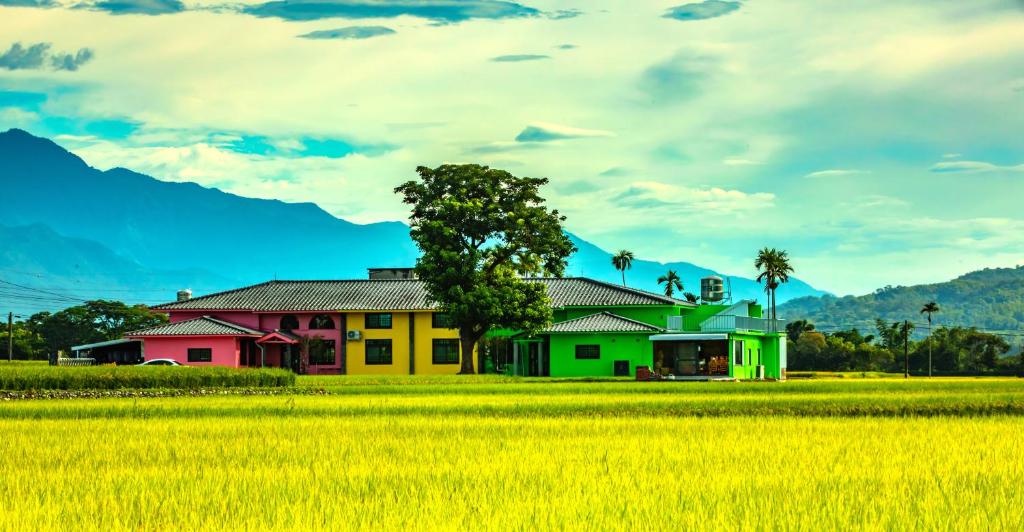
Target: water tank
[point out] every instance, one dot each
(712, 289)
(184, 295)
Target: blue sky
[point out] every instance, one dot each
(878, 141)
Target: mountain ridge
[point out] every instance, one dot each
(164, 226)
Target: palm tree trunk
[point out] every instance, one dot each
(623, 277)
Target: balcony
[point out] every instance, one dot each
(726, 324)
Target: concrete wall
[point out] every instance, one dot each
(634, 347)
(225, 349)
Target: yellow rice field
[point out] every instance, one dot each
(372, 461)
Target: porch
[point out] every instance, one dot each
(691, 356)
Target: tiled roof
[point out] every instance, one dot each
(599, 323)
(400, 294)
(202, 326)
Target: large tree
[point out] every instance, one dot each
(481, 230)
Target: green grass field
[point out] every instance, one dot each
(501, 453)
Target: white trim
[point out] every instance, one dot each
(695, 337)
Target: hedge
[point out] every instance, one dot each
(18, 377)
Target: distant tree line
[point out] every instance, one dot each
(953, 350)
(94, 321)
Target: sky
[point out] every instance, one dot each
(878, 142)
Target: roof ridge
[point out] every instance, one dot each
(207, 296)
(655, 295)
(230, 324)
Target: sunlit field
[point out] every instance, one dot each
(496, 453)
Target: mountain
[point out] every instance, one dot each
(991, 299)
(42, 270)
(174, 235)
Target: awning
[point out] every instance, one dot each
(278, 337)
(104, 344)
(684, 337)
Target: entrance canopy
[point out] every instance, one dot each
(682, 337)
(278, 337)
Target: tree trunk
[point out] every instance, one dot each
(623, 277)
(466, 343)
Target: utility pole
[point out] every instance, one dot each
(10, 336)
(929, 346)
(906, 349)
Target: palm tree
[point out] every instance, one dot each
(690, 297)
(930, 308)
(774, 269)
(672, 282)
(623, 260)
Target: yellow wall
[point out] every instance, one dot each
(356, 350)
(425, 335)
(399, 336)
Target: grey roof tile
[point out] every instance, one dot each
(600, 323)
(356, 295)
(202, 326)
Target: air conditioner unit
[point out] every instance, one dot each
(354, 335)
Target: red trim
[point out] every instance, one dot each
(275, 338)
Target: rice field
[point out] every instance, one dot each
(493, 453)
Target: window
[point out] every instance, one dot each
(379, 320)
(378, 352)
(446, 351)
(321, 352)
(588, 352)
(758, 356)
(737, 353)
(321, 321)
(200, 354)
(440, 320)
(289, 322)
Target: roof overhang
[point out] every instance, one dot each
(104, 344)
(278, 337)
(684, 337)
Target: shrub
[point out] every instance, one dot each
(20, 377)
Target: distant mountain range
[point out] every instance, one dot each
(990, 299)
(83, 233)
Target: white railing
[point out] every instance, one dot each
(725, 324)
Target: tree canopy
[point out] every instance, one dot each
(481, 230)
(93, 321)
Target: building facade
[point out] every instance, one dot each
(387, 326)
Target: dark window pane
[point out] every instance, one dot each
(446, 351)
(441, 320)
(321, 352)
(588, 351)
(200, 354)
(321, 321)
(378, 320)
(378, 352)
(289, 322)
(737, 353)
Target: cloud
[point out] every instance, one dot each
(836, 172)
(541, 132)
(701, 10)
(973, 167)
(28, 3)
(71, 62)
(443, 11)
(736, 161)
(518, 58)
(563, 14)
(657, 196)
(566, 46)
(139, 7)
(679, 78)
(20, 58)
(27, 100)
(36, 56)
(294, 147)
(350, 32)
(615, 171)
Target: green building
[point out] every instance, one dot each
(603, 329)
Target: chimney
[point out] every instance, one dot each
(185, 295)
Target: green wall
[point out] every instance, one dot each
(634, 347)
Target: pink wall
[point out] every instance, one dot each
(225, 349)
(245, 319)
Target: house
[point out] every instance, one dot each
(386, 325)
